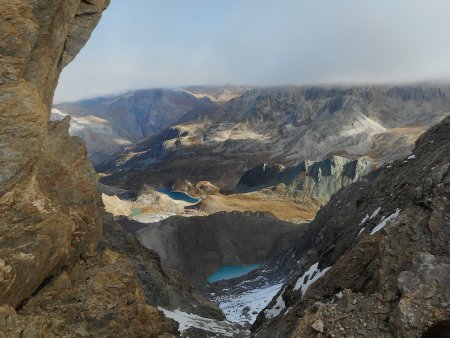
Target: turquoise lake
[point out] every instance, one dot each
(135, 212)
(229, 272)
(178, 195)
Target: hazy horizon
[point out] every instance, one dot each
(260, 43)
(436, 83)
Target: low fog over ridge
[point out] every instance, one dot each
(265, 43)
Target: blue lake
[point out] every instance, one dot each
(135, 211)
(229, 272)
(178, 195)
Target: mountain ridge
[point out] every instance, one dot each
(283, 125)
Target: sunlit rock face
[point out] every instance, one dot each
(50, 224)
(38, 40)
(48, 189)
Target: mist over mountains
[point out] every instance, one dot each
(225, 211)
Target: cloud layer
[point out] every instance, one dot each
(153, 43)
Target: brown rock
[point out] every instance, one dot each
(50, 209)
(318, 325)
(49, 204)
(101, 298)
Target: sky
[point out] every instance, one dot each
(171, 43)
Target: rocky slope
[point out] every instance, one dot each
(285, 126)
(375, 261)
(49, 203)
(197, 246)
(55, 279)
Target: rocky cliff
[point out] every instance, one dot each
(49, 203)
(308, 180)
(375, 261)
(55, 280)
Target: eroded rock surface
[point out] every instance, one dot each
(308, 180)
(375, 261)
(98, 297)
(49, 203)
(53, 280)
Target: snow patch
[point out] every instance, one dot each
(363, 124)
(364, 220)
(152, 218)
(277, 308)
(360, 231)
(411, 157)
(384, 221)
(188, 320)
(375, 213)
(256, 300)
(309, 277)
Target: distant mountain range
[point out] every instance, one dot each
(285, 125)
(110, 124)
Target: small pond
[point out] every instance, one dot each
(229, 272)
(135, 212)
(178, 195)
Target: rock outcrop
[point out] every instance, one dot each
(54, 281)
(308, 180)
(375, 261)
(49, 203)
(99, 297)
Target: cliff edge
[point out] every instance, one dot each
(53, 281)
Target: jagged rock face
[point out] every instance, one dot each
(53, 281)
(99, 297)
(48, 200)
(308, 180)
(376, 260)
(321, 179)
